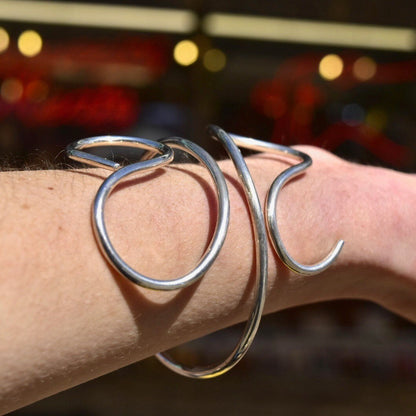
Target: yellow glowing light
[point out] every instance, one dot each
(364, 68)
(4, 40)
(214, 60)
(186, 52)
(29, 43)
(11, 90)
(331, 67)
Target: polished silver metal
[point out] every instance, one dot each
(75, 151)
(304, 161)
(111, 182)
(161, 154)
(261, 267)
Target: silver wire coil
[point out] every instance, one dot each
(161, 154)
(304, 161)
(253, 322)
(75, 152)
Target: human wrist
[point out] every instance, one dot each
(331, 201)
(393, 198)
(374, 212)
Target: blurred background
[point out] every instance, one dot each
(339, 74)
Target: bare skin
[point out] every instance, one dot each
(66, 316)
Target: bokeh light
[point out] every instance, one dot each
(353, 114)
(29, 43)
(364, 68)
(186, 52)
(376, 119)
(331, 67)
(11, 90)
(4, 40)
(37, 91)
(214, 60)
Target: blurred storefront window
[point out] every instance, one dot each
(336, 74)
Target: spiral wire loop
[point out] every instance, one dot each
(304, 161)
(145, 165)
(253, 322)
(161, 153)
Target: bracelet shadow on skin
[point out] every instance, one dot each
(190, 372)
(138, 299)
(230, 143)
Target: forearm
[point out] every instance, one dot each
(66, 316)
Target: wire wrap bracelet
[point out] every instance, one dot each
(304, 161)
(75, 152)
(160, 154)
(259, 229)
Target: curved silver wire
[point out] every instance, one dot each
(110, 183)
(261, 266)
(75, 150)
(271, 202)
(150, 161)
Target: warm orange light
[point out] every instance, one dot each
(29, 43)
(186, 52)
(364, 68)
(331, 67)
(11, 90)
(4, 40)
